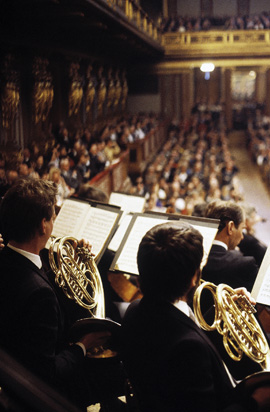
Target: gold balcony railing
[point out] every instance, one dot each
(217, 43)
(137, 16)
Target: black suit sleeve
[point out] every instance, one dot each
(192, 374)
(41, 338)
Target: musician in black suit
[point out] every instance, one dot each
(32, 322)
(250, 245)
(170, 361)
(225, 264)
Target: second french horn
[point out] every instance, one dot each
(234, 319)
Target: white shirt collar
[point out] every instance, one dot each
(183, 306)
(219, 243)
(31, 256)
(186, 309)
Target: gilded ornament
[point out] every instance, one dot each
(43, 92)
(102, 91)
(10, 95)
(90, 91)
(76, 90)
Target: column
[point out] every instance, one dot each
(165, 8)
(228, 98)
(267, 100)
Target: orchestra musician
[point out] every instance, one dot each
(225, 264)
(32, 321)
(171, 363)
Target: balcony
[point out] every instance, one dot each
(238, 44)
(136, 16)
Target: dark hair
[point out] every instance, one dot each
(24, 206)
(92, 193)
(168, 257)
(225, 211)
(199, 209)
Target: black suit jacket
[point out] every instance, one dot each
(251, 246)
(32, 323)
(171, 363)
(230, 267)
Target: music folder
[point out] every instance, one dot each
(261, 288)
(125, 259)
(90, 220)
(129, 203)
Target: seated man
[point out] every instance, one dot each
(250, 245)
(169, 359)
(32, 321)
(225, 264)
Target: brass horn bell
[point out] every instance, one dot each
(234, 319)
(77, 275)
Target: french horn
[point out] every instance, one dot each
(76, 273)
(234, 319)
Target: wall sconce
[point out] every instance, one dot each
(207, 68)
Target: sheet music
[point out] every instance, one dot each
(128, 203)
(127, 260)
(118, 236)
(208, 234)
(90, 221)
(97, 227)
(126, 255)
(70, 217)
(261, 287)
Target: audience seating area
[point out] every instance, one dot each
(258, 143)
(182, 24)
(71, 160)
(193, 166)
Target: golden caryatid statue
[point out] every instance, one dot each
(118, 91)
(75, 91)
(43, 92)
(10, 93)
(124, 91)
(110, 90)
(101, 93)
(90, 90)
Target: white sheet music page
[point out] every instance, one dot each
(97, 227)
(127, 260)
(70, 218)
(208, 233)
(261, 288)
(127, 203)
(126, 255)
(119, 234)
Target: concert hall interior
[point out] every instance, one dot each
(131, 113)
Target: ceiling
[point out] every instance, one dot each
(80, 27)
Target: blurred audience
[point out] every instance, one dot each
(182, 24)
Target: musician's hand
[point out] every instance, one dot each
(95, 339)
(244, 292)
(262, 397)
(85, 243)
(1, 242)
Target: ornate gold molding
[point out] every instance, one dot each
(75, 91)
(43, 92)
(176, 67)
(110, 90)
(10, 92)
(217, 44)
(124, 91)
(137, 16)
(90, 90)
(101, 92)
(118, 90)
